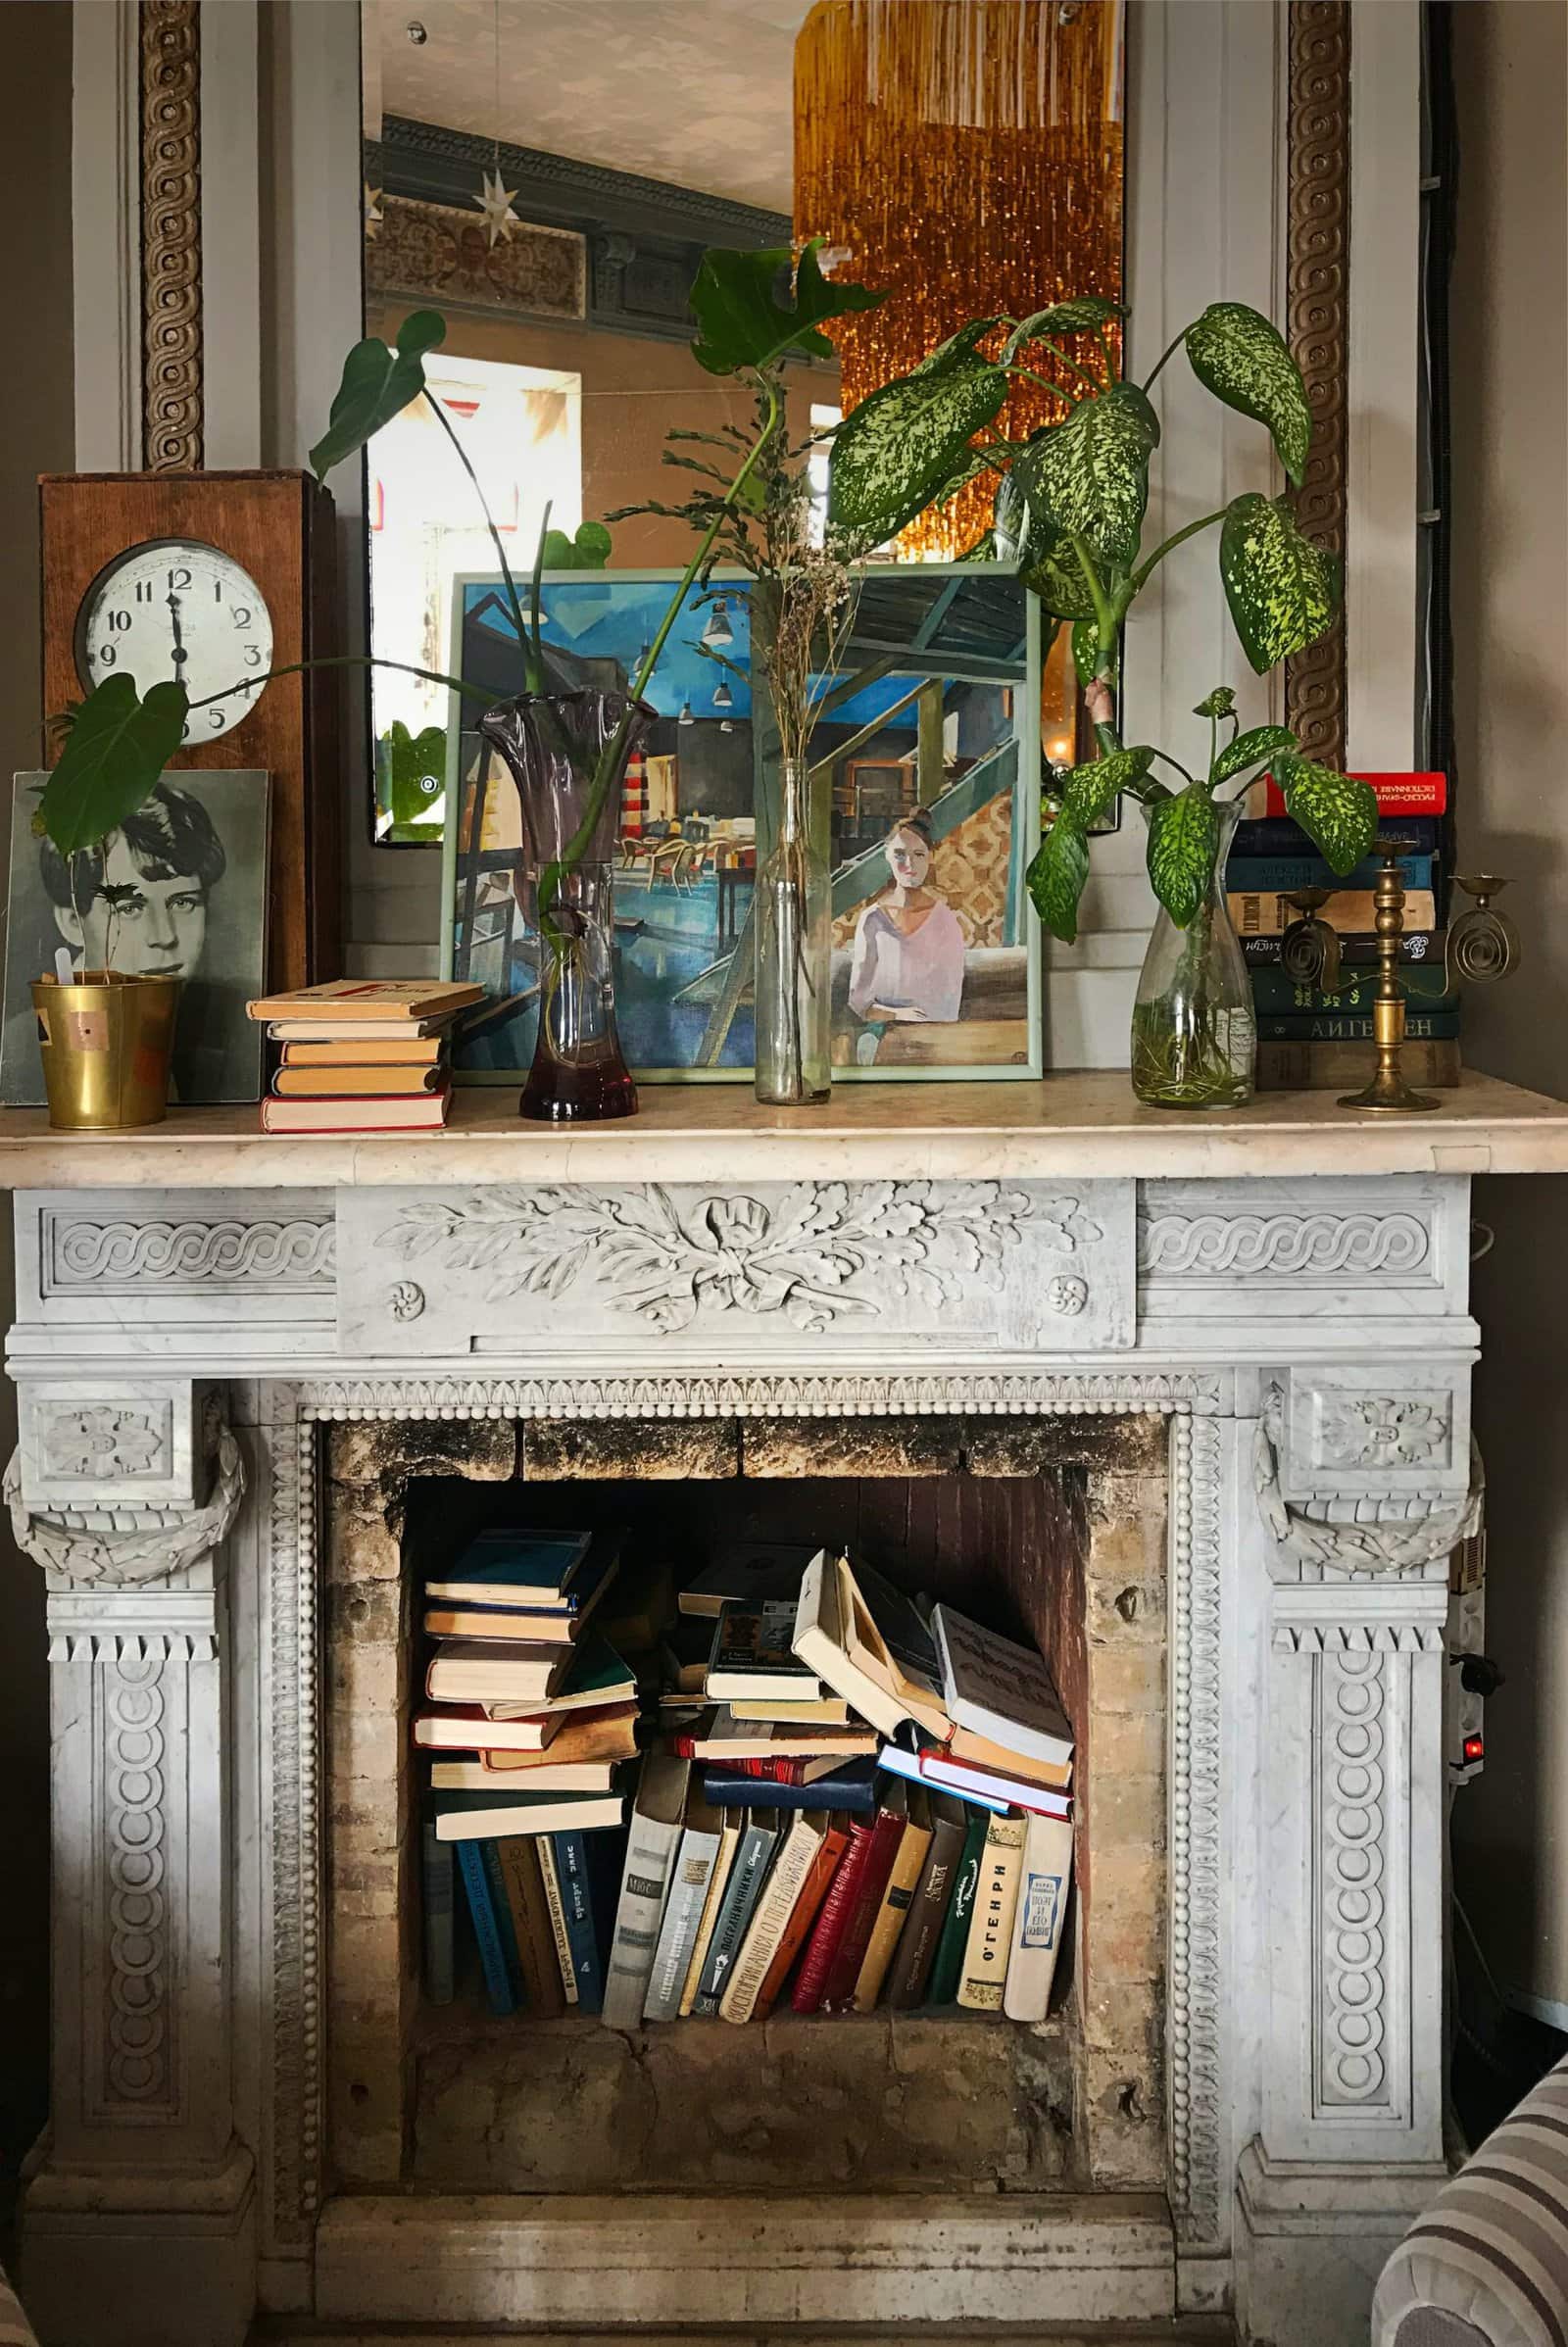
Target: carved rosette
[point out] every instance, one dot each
(1317, 301)
(172, 235)
(1401, 1536)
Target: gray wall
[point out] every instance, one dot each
(1510, 609)
(35, 141)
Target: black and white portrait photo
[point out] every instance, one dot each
(180, 891)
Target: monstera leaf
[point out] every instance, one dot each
(1056, 878)
(1337, 813)
(1080, 315)
(1282, 590)
(1236, 354)
(1251, 750)
(117, 745)
(906, 443)
(1183, 842)
(1088, 475)
(378, 384)
(741, 322)
(589, 550)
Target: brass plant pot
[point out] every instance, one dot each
(106, 1041)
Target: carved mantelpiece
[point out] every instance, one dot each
(1308, 1344)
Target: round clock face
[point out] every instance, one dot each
(175, 610)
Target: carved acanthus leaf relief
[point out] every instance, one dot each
(1275, 1245)
(137, 1544)
(105, 1442)
(1409, 1533)
(118, 1256)
(824, 1251)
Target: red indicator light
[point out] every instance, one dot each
(1475, 1747)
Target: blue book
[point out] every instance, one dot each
(1281, 835)
(537, 1566)
(1280, 996)
(1283, 875)
(1356, 1026)
(588, 1868)
(495, 1881)
(492, 1955)
(852, 1787)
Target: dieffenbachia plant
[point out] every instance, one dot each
(753, 311)
(1069, 511)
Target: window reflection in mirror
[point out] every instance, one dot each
(547, 174)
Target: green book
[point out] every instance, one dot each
(948, 1969)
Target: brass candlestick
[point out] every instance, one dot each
(1388, 1094)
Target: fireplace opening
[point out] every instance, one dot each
(1050, 1532)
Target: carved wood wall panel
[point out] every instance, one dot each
(171, 236)
(1317, 283)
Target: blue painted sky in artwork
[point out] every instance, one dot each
(601, 615)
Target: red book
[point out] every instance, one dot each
(802, 1915)
(848, 1956)
(1395, 794)
(822, 1946)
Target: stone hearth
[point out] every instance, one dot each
(236, 2129)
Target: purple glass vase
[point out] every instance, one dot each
(568, 752)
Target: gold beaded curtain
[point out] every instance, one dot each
(967, 153)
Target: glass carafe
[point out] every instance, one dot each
(1195, 1030)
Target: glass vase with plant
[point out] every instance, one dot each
(1069, 509)
(569, 750)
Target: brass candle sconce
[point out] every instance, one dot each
(1483, 946)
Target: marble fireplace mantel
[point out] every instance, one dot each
(1284, 1286)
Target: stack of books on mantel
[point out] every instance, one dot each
(532, 1712)
(362, 1054)
(843, 1804)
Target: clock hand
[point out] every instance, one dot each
(181, 654)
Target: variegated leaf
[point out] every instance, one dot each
(1088, 475)
(1183, 840)
(1337, 813)
(1240, 358)
(1251, 750)
(1089, 792)
(1283, 591)
(1049, 565)
(899, 448)
(1056, 878)
(1080, 315)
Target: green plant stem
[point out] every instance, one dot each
(1166, 760)
(512, 597)
(346, 660)
(611, 754)
(1168, 353)
(1104, 340)
(1093, 382)
(1142, 576)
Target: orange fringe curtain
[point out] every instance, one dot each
(967, 153)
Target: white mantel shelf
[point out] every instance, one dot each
(1072, 1125)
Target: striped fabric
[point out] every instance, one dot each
(15, 2328)
(1488, 2264)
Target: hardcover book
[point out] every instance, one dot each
(749, 1573)
(595, 1677)
(758, 1843)
(1285, 875)
(554, 1908)
(477, 1776)
(588, 1868)
(1279, 835)
(1039, 1919)
(469, 1728)
(376, 1113)
(804, 1912)
(683, 1908)
(752, 1654)
(485, 1816)
(838, 1637)
(1395, 794)
(497, 1983)
(369, 999)
(989, 1942)
(983, 1784)
(507, 1567)
(655, 1831)
(770, 1915)
(887, 1832)
(999, 1689)
(502, 1921)
(1347, 1066)
(828, 1931)
(916, 1950)
(853, 1786)
(1352, 912)
(732, 1826)
(948, 1969)
(909, 1865)
(338, 1083)
(577, 1740)
(522, 1884)
(484, 1671)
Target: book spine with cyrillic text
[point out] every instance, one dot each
(845, 1969)
(803, 1916)
(822, 1946)
(498, 1985)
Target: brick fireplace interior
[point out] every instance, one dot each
(1050, 1528)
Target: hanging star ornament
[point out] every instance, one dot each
(496, 204)
(373, 215)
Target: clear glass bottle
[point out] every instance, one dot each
(794, 938)
(552, 744)
(1195, 1030)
